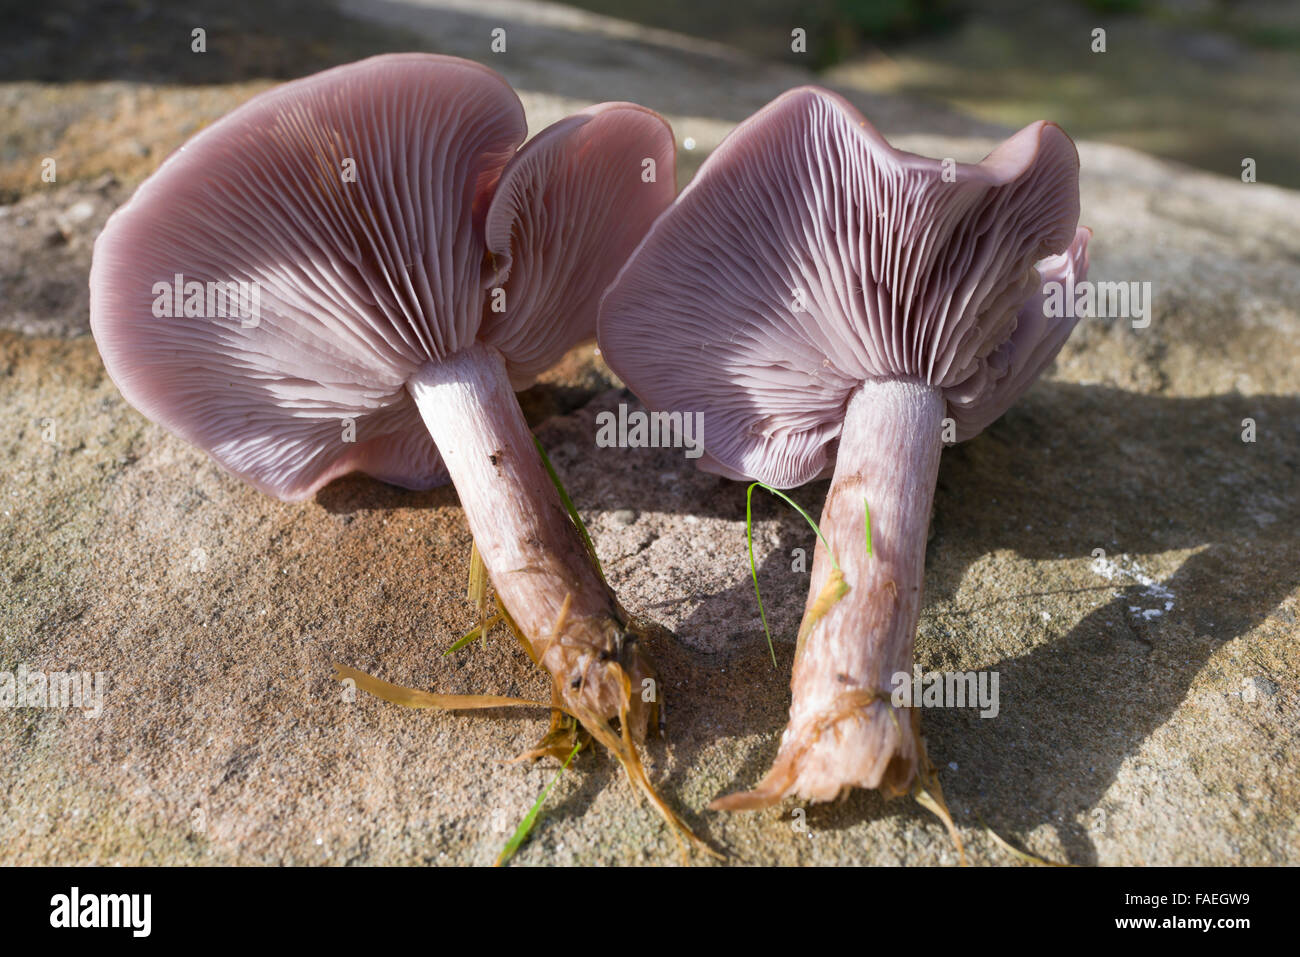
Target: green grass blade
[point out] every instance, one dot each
(807, 518)
(753, 569)
(462, 641)
(469, 636)
(866, 520)
(526, 825)
(749, 537)
(568, 505)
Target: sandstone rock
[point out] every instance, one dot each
(215, 613)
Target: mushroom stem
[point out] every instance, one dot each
(534, 555)
(843, 730)
(538, 563)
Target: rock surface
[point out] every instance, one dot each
(1111, 547)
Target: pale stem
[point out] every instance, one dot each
(534, 555)
(843, 731)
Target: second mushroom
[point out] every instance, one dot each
(832, 305)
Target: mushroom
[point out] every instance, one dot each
(828, 302)
(409, 268)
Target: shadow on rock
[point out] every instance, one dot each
(1070, 470)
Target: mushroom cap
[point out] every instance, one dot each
(808, 256)
(361, 279)
(568, 211)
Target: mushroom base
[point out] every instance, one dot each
(844, 730)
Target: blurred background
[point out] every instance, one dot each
(1191, 80)
(1204, 82)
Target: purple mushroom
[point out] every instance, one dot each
(835, 306)
(354, 272)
